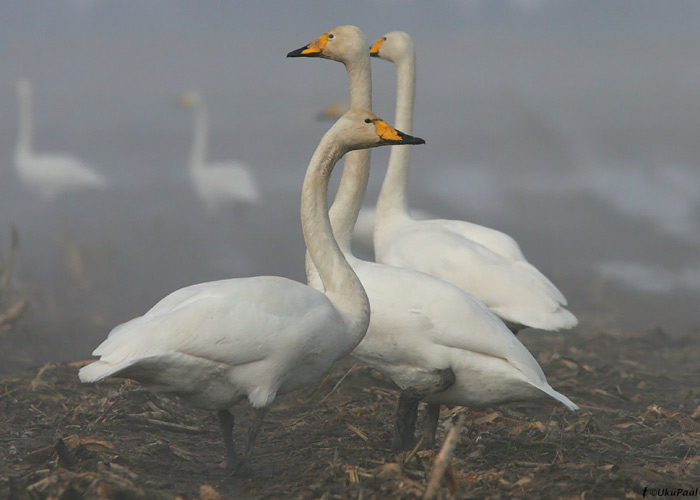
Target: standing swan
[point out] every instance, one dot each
(480, 260)
(216, 343)
(434, 340)
(48, 176)
(216, 184)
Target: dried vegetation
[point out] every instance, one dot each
(639, 426)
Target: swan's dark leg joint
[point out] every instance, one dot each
(407, 410)
(226, 421)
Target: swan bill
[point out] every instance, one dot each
(314, 49)
(374, 49)
(390, 135)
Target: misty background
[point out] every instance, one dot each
(572, 126)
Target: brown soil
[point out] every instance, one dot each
(638, 427)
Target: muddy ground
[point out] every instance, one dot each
(638, 427)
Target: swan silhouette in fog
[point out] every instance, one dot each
(487, 263)
(333, 110)
(50, 176)
(433, 339)
(216, 343)
(216, 184)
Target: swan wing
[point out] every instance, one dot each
(68, 170)
(515, 290)
(496, 241)
(231, 181)
(232, 322)
(412, 309)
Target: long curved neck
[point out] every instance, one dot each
(24, 135)
(341, 284)
(198, 153)
(392, 197)
(353, 183)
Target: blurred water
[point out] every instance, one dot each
(573, 128)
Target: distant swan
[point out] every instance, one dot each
(216, 343)
(48, 176)
(216, 184)
(333, 110)
(485, 262)
(434, 340)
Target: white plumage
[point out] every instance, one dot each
(487, 263)
(49, 176)
(216, 343)
(216, 184)
(363, 232)
(420, 325)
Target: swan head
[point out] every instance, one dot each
(190, 99)
(23, 87)
(393, 46)
(341, 44)
(362, 129)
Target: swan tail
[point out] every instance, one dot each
(547, 389)
(99, 370)
(560, 319)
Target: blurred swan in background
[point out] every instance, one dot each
(50, 176)
(216, 184)
(216, 343)
(333, 110)
(487, 263)
(434, 340)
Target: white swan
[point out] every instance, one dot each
(216, 343)
(434, 340)
(216, 184)
(49, 176)
(485, 262)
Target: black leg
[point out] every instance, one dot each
(430, 423)
(407, 409)
(226, 424)
(405, 422)
(242, 465)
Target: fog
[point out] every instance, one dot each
(572, 126)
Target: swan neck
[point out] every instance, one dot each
(199, 141)
(24, 136)
(353, 183)
(393, 199)
(339, 281)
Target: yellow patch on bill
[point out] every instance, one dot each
(317, 46)
(374, 49)
(386, 131)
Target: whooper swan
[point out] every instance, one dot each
(49, 176)
(434, 340)
(216, 343)
(485, 262)
(216, 184)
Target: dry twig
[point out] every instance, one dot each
(443, 459)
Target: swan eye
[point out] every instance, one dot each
(331, 36)
(385, 39)
(367, 120)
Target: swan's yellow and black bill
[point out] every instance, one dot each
(314, 49)
(374, 49)
(390, 135)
